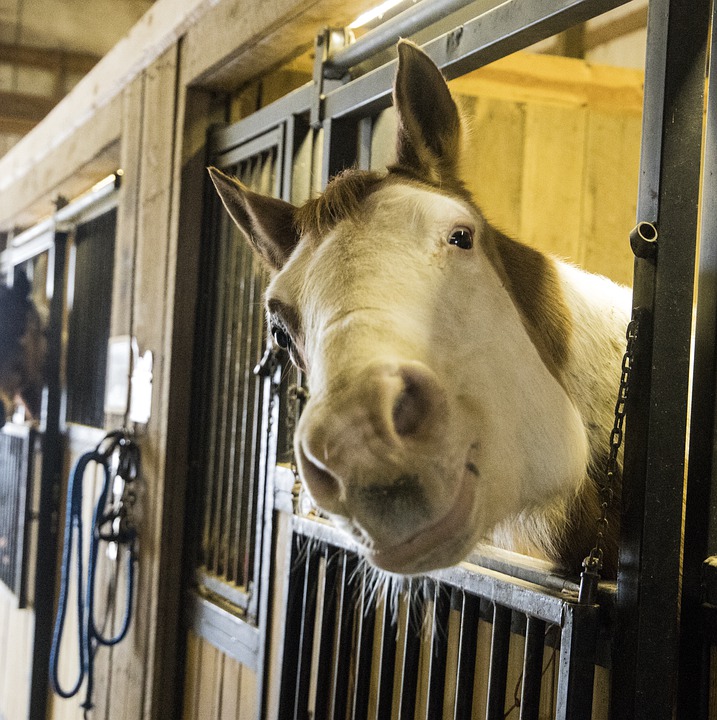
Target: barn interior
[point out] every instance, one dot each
(584, 117)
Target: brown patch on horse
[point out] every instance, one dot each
(532, 281)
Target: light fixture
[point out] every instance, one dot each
(374, 13)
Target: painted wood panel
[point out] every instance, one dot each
(16, 634)
(216, 686)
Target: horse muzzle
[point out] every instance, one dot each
(372, 451)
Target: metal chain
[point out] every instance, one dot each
(593, 563)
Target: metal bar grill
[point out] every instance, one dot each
(379, 658)
(15, 482)
(232, 340)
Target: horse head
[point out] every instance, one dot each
(22, 349)
(438, 350)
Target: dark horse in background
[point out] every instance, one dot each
(22, 350)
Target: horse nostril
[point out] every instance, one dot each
(324, 488)
(417, 405)
(408, 411)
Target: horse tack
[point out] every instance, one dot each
(406, 340)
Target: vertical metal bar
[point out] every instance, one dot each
(387, 661)
(700, 533)
(411, 657)
(342, 666)
(231, 477)
(532, 669)
(467, 648)
(328, 633)
(576, 672)
(292, 632)
(439, 649)
(649, 571)
(498, 676)
(364, 653)
(306, 643)
(50, 483)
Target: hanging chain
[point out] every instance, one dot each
(593, 563)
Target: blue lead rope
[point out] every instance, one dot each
(113, 525)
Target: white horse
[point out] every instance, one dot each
(462, 384)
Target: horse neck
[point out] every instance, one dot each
(588, 314)
(600, 311)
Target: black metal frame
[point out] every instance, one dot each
(673, 156)
(501, 593)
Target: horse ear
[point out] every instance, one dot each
(429, 126)
(267, 222)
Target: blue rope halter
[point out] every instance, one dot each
(111, 525)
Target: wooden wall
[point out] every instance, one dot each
(555, 149)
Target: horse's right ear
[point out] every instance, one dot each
(267, 222)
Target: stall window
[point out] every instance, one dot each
(89, 320)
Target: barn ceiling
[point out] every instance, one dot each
(46, 46)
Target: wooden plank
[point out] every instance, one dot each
(610, 194)
(19, 642)
(6, 605)
(264, 34)
(530, 77)
(71, 61)
(248, 696)
(495, 145)
(230, 704)
(553, 167)
(134, 659)
(192, 663)
(210, 673)
(23, 108)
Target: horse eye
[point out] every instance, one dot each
(281, 337)
(461, 238)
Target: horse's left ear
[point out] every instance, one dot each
(266, 222)
(429, 126)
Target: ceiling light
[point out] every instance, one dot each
(374, 14)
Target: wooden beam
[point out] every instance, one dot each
(20, 112)
(47, 58)
(551, 79)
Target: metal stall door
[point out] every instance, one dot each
(450, 646)
(236, 400)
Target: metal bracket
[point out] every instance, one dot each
(327, 43)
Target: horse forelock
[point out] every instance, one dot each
(341, 200)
